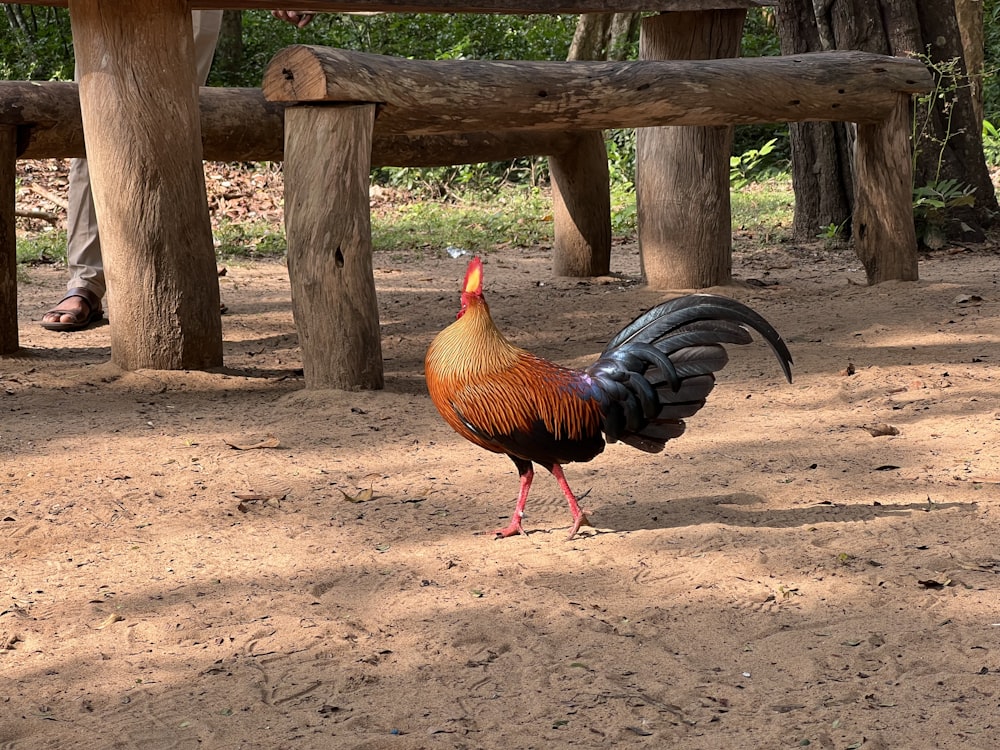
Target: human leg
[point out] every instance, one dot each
(86, 287)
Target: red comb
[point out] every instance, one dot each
(474, 277)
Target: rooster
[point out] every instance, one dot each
(652, 375)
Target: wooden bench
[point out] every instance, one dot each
(42, 120)
(341, 102)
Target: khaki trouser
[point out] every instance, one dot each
(83, 245)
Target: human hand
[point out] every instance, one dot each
(297, 18)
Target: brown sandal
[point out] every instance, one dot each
(79, 322)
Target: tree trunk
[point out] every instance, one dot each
(328, 225)
(949, 134)
(228, 63)
(590, 40)
(603, 36)
(685, 229)
(8, 241)
(953, 122)
(970, 24)
(821, 151)
(623, 32)
(581, 207)
(581, 192)
(884, 237)
(138, 77)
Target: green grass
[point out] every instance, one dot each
(764, 208)
(516, 216)
(248, 240)
(44, 247)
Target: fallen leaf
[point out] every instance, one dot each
(269, 442)
(935, 585)
(964, 299)
(110, 620)
(362, 497)
(642, 732)
(880, 430)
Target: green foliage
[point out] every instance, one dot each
(834, 232)
(246, 239)
(991, 143)
(991, 38)
(762, 206)
(620, 145)
(431, 36)
(438, 182)
(933, 204)
(522, 216)
(36, 44)
(43, 247)
(623, 209)
(760, 34)
(751, 165)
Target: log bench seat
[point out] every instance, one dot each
(339, 103)
(42, 120)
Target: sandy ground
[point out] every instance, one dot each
(779, 577)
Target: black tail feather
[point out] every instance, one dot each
(660, 368)
(674, 315)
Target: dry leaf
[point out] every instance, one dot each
(362, 497)
(934, 585)
(269, 442)
(110, 620)
(256, 497)
(267, 498)
(880, 430)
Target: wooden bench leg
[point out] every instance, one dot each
(884, 237)
(328, 225)
(581, 207)
(8, 241)
(143, 130)
(682, 173)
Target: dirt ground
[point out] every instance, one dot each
(228, 560)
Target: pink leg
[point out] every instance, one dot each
(514, 527)
(579, 516)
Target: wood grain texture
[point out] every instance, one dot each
(884, 236)
(682, 174)
(8, 241)
(581, 207)
(239, 124)
(144, 150)
(328, 226)
(464, 6)
(446, 96)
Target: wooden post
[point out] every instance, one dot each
(682, 174)
(581, 207)
(328, 227)
(884, 237)
(139, 104)
(8, 241)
